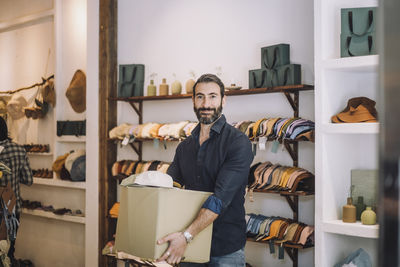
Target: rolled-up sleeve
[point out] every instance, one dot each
(233, 174)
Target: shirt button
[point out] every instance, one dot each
(198, 176)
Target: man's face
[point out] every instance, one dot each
(207, 102)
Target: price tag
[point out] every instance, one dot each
(261, 142)
(156, 143)
(275, 145)
(125, 141)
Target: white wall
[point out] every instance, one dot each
(175, 37)
(48, 46)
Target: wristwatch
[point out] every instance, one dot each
(188, 236)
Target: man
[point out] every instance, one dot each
(14, 156)
(215, 158)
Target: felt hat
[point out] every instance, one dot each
(120, 131)
(15, 106)
(76, 92)
(59, 163)
(72, 157)
(49, 94)
(358, 109)
(154, 178)
(78, 169)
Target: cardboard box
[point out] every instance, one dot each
(147, 214)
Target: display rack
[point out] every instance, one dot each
(340, 147)
(292, 95)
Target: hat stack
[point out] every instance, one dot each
(276, 69)
(359, 109)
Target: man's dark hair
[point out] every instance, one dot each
(3, 129)
(210, 78)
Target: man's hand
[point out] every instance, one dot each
(176, 248)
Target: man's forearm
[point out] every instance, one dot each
(203, 219)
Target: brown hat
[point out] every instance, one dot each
(15, 106)
(58, 164)
(76, 92)
(359, 109)
(49, 94)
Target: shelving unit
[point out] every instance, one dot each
(292, 95)
(59, 183)
(340, 147)
(50, 215)
(71, 139)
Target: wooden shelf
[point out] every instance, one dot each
(71, 139)
(278, 89)
(288, 245)
(351, 229)
(51, 215)
(351, 128)
(284, 193)
(59, 183)
(355, 64)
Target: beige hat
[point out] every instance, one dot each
(3, 104)
(15, 106)
(72, 157)
(120, 131)
(76, 92)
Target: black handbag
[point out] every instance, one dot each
(76, 128)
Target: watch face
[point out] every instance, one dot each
(188, 236)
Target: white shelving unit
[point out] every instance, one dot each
(50, 215)
(340, 147)
(59, 183)
(71, 139)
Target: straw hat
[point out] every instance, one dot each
(3, 104)
(76, 92)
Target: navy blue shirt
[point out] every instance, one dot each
(220, 165)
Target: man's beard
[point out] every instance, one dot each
(208, 120)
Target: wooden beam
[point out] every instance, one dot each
(108, 19)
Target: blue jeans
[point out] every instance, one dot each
(235, 259)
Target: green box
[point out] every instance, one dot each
(289, 74)
(362, 19)
(262, 78)
(275, 56)
(131, 80)
(357, 45)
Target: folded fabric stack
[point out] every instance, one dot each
(279, 231)
(275, 177)
(278, 128)
(152, 130)
(124, 168)
(359, 109)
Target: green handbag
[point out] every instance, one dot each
(358, 21)
(262, 78)
(275, 56)
(289, 74)
(131, 80)
(351, 46)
